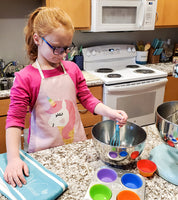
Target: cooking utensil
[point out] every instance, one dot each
(115, 140)
(140, 45)
(147, 46)
(165, 155)
(155, 43)
(167, 122)
(157, 51)
(132, 143)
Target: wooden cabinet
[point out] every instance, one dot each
(2, 134)
(171, 90)
(167, 13)
(4, 106)
(88, 119)
(78, 10)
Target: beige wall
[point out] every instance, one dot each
(13, 14)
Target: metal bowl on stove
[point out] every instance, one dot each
(132, 143)
(167, 122)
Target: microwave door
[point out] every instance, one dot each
(119, 15)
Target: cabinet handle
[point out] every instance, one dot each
(156, 17)
(83, 111)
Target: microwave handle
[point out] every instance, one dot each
(141, 14)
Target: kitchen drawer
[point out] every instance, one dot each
(88, 119)
(4, 106)
(2, 135)
(97, 92)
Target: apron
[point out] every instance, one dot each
(55, 119)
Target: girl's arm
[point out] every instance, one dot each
(106, 111)
(16, 168)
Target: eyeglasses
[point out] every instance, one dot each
(58, 50)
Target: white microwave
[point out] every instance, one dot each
(122, 15)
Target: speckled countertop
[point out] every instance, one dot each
(166, 67)
(77, 162)
(92, 80)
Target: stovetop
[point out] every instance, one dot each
(115, 64)
(128, 74)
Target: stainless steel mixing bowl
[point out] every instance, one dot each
(132, 142)
(167, 122)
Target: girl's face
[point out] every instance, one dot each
(60, 37)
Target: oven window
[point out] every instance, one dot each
(119, 15)
(137, 105)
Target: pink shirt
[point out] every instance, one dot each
(26, 88)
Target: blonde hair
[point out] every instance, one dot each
(43, 21)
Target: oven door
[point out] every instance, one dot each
(139, 99)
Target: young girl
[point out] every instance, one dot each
(49, 87)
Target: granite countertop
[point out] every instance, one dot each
(91, 80)
(165, 67)
(77, 162)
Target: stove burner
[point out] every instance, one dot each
(132, 66)
(144, 71)
(104, 70)
(113, 75)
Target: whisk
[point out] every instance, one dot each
(115, 140)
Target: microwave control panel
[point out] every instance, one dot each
(149, 12)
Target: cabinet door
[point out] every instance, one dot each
(78, 10)
(4, 106)
(2, 135)
(171, 90)
(88, 119)
(167, 13)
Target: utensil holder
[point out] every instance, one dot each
(141, 57)
(153, 58)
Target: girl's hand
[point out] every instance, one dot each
(15, 171)
(120, 116)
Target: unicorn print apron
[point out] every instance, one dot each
(55, 119)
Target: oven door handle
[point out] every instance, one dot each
(142, 85)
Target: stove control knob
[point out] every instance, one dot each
(118, 50)
(88, 53)
(133, 49)
(93, 52)
(129, 49)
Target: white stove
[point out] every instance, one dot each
(136, 89)
(116, 64)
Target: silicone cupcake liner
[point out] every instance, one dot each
(107, 183)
